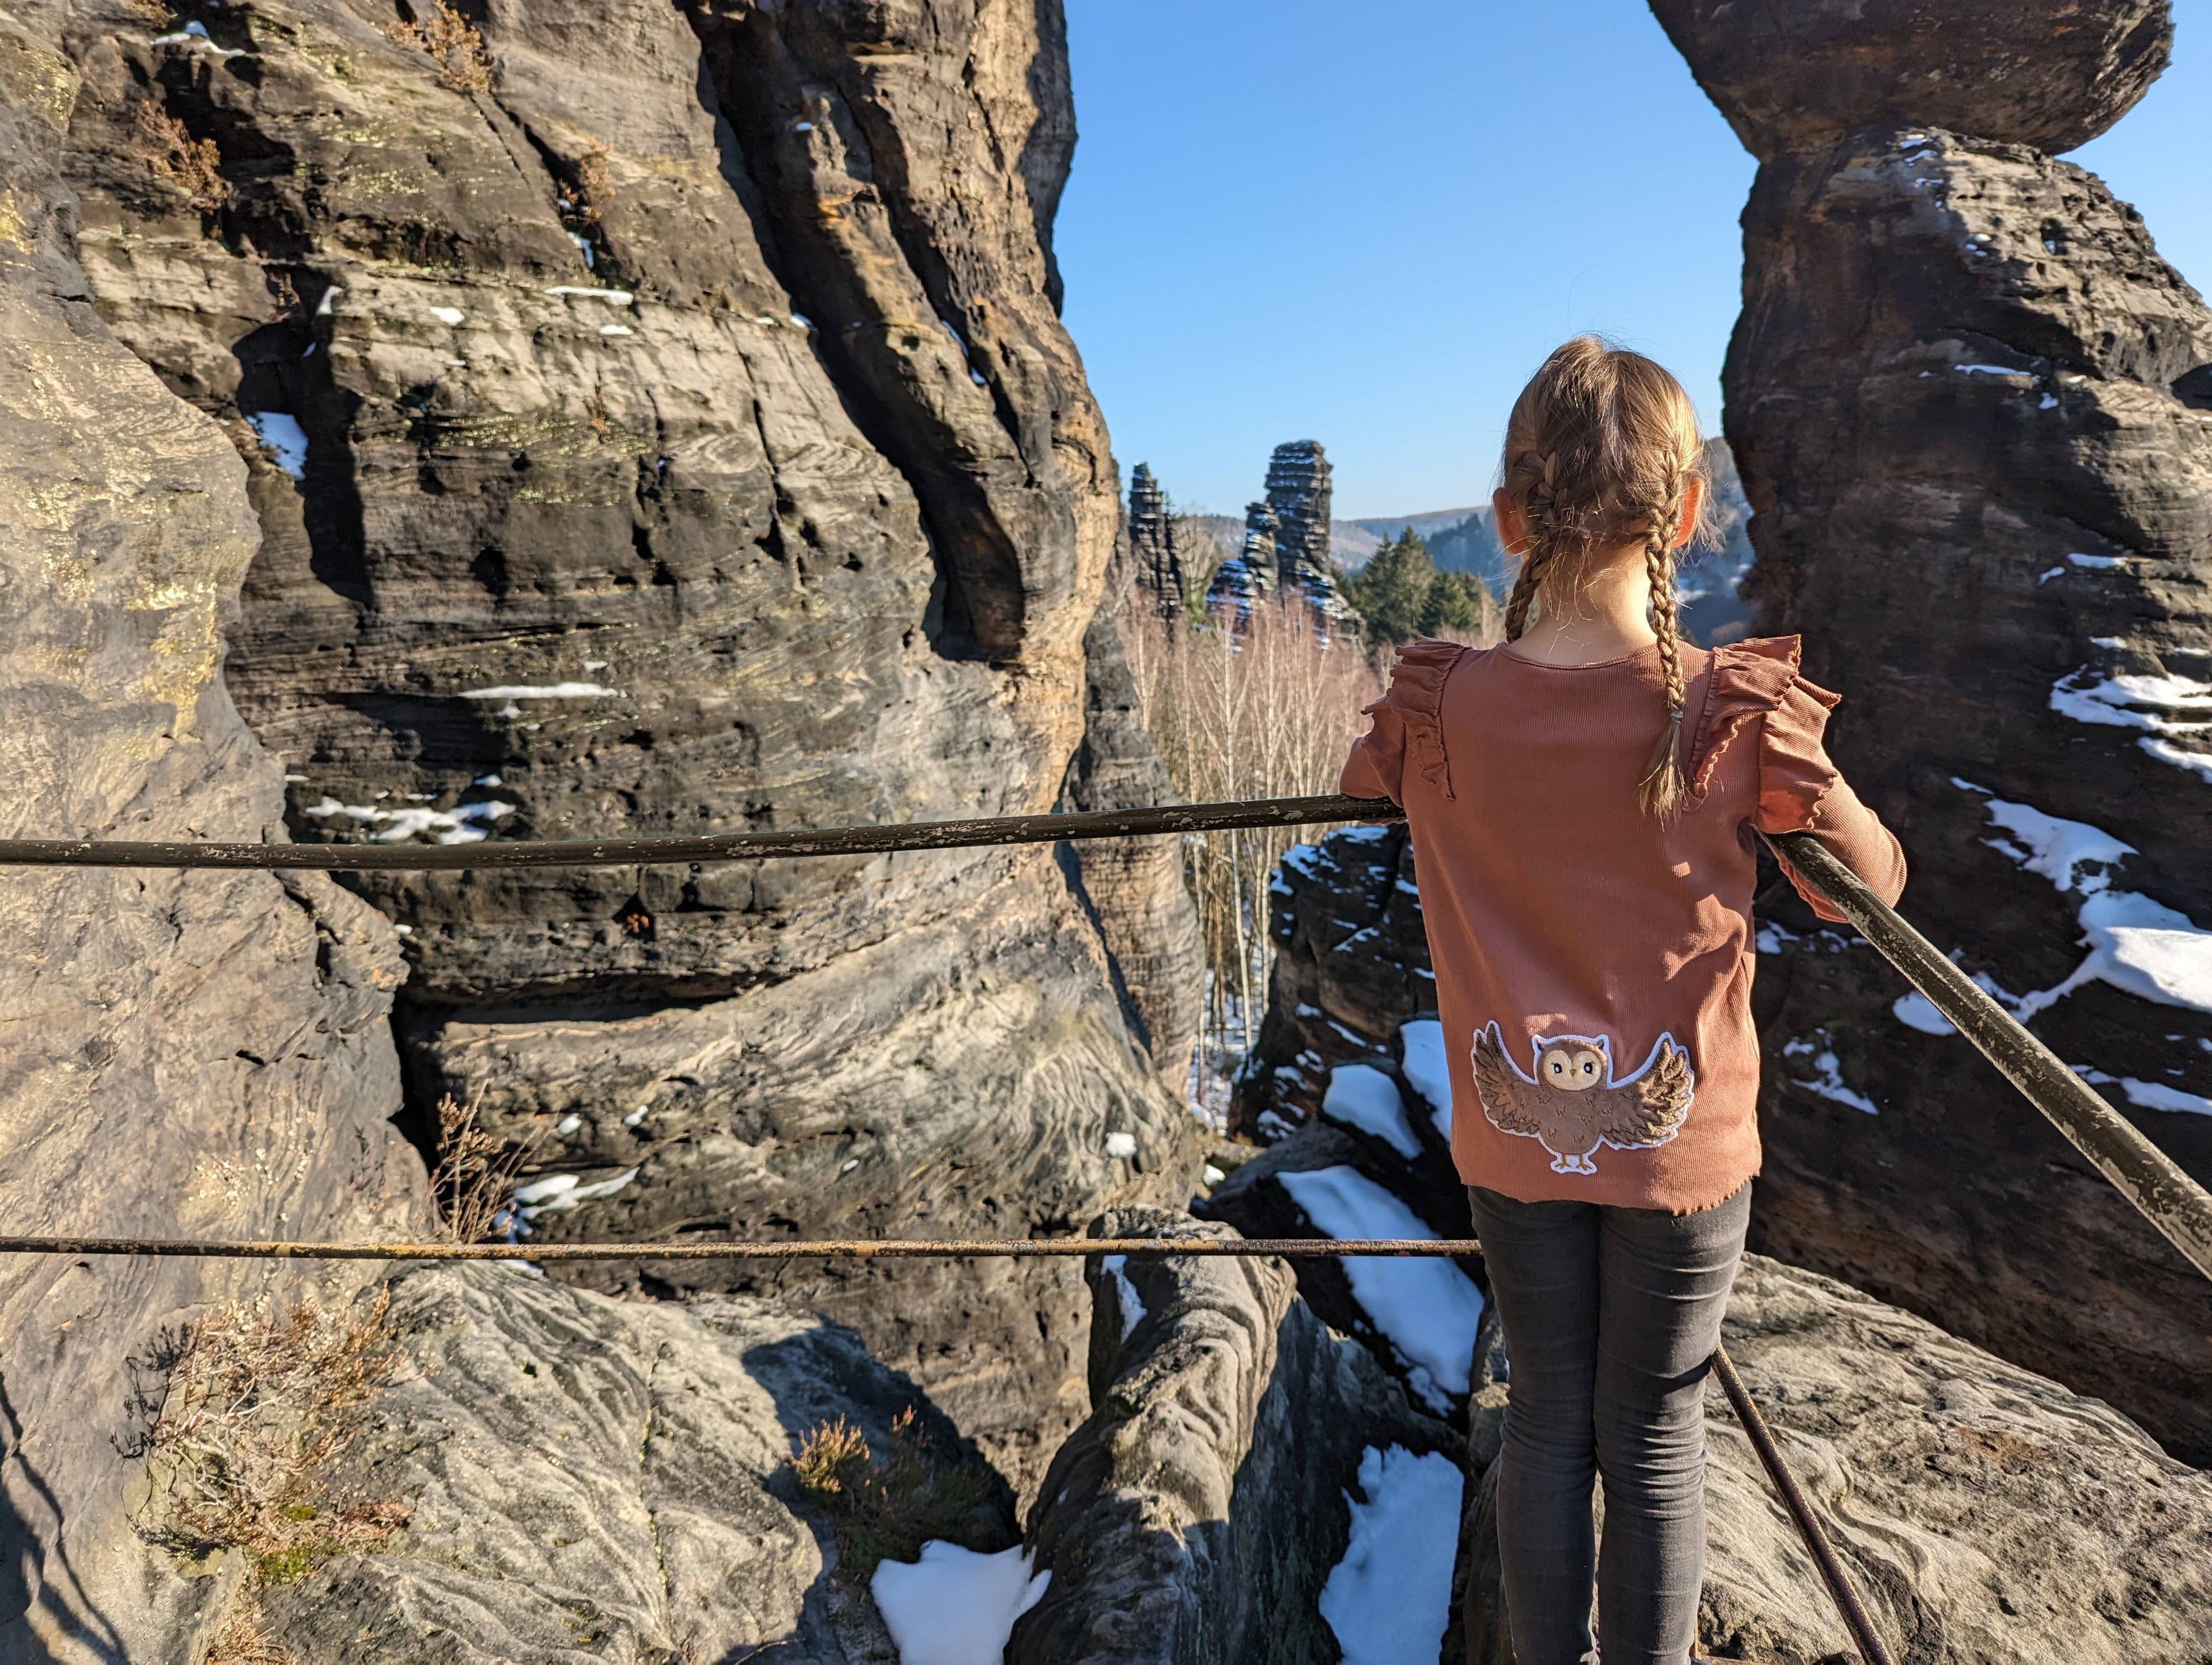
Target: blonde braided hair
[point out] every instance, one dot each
(1600, 451)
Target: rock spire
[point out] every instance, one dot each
(1153, 544)
(1298, 492)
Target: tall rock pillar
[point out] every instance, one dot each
(1298, 492)
(1152, 545)
(1973, 412)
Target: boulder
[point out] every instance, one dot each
(1797, 74)
(660, 421)
(1197, 1514)
(588, 1478)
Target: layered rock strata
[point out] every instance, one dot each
(1984, 1513)
(586, 1478)
(1153, 544)
(181, 1054)
(1299, 492)
(1972, 409)
(1198, 1513)
(1132, 888)
(1247, 578)
(660, 421)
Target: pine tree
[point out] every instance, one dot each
(1455, 601)
(1391, 593)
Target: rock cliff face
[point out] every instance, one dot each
(1973, 413)
(659, 420)
(181, 1054)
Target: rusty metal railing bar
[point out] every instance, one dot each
(1162, 819)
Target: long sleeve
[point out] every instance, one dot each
(1376, 767)
(1801, 790)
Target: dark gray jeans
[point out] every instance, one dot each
(1610, 1316)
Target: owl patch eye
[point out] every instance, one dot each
(1589, 1068)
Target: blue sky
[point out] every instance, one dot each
(1367, 224)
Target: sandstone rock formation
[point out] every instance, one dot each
(1972, 409)
(1299, 493)
(1352, 966)
(1247, 578)
(1198, 1511)
(181, 1054)
(1132, 888)
(660, 420)
(1153, 544)
(588, 1478)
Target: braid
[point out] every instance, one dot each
(1663, 787)
(1540, 505)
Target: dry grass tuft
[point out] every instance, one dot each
(191, 167)
(886, 1508)
(244, 1641)
(463, 63)
(593, 187)
(475, 1176)
(257, 1410)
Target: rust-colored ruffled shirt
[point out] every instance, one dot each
(1594, 964)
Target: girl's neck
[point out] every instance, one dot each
(1606, 616)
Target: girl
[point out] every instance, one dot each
(1582, 801)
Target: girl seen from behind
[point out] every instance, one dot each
(1583, 801)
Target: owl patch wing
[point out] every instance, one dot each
(1649, 1109)
(1504, 1093)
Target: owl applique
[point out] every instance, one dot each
(1573, 1105)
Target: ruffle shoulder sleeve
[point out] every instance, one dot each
(1407, 730)
(1758, 681)
(1800, 789)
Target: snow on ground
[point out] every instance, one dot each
(612, 297)
(467, 823)
(1424, 1044)
(1389, 1598)
(954, 1605)
(556, 1193)
(1916, 1011)
(1827, 1074)
(557, 690)
(2072, 855)
(2176, 705)
(1122, 1146)
(284, 440)
(1427, 1310)
(2157, 1096)
(1126, 1298)
(2136, 945)
(1361, 1096)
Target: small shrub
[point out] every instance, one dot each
(593, 187)
(475, 1176)
(188, 166)
(886, 1508)
(451, 40)
(257, 1410)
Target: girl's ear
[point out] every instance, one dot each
(1693, 503)
(1509, 523)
